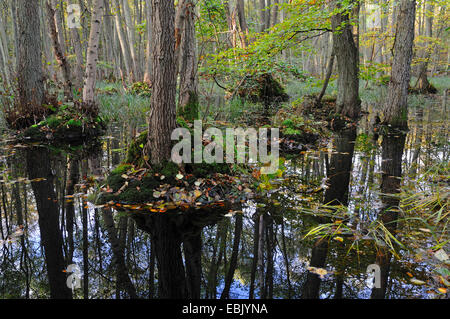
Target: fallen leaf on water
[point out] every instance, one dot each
(442, 290)
(417, 281)
(339, 239)
(318, 271)
(156, 194)
(409, 274)
(197, 193)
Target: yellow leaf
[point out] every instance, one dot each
(197, 193)
(443, 290)
(339, 239)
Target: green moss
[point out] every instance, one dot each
(73, 122)
(122, 169)
(206, 169)
(115, 181)
(169, 169)
(53, 122)
(190, 111)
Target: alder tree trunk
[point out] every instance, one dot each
(422, 82)
(131, 39)
(58, 49)
(162, 119)
(395, 108)
(30, 77)
(188, 95)
(92, 54)
(348, 103)
(148, 60)
(242, 22)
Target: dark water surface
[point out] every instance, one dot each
(356, 188)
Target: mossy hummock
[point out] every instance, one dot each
(64, 124)
(137, 186)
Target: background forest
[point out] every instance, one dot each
(90, 91)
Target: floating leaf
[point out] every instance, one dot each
(339, 239)
(157, 194)
(442, 290)
(417, 281)
(197, 193)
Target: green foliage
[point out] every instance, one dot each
(140, 89)
(304, 20)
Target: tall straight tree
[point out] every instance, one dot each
(188, 96)
(92, 54)
(29, 60)
(395, 108)
(346, 52)
(422, 82)
(162, 119)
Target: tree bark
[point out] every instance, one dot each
(131, 39)
(92, 54)
(422, 83)
(395, 108)
(188, 92)
(348, 103)
(58, 49)
(242, 23)
(30, 77)
(148, 61)
(162, 119)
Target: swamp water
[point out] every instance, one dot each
(335, 211)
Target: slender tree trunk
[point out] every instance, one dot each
(262, 15)
(131, 39)
(255, 257)
(242, 23)
(92, 54)
(188, 95)
(58, 49)
(327, 78)
(149, 47)
(422, 82)
(234, 257)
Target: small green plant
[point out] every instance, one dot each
(141, 89)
